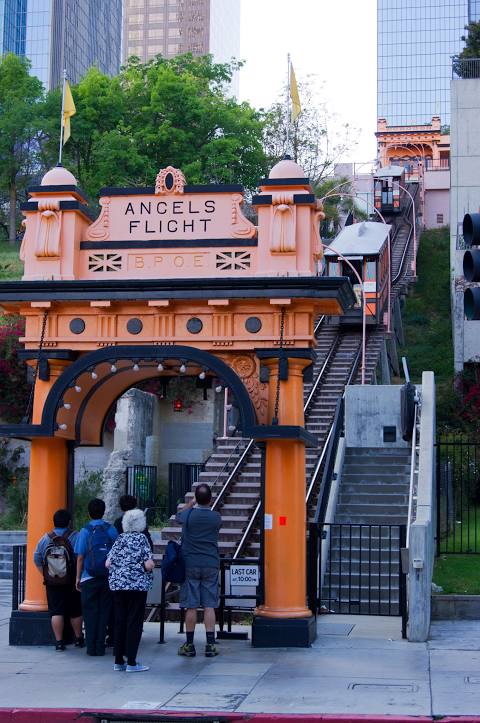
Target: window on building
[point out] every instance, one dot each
(173, 48)
(135, 19)
(173, 16)
(155, 33)
(173, 32)
(135, 34)
(156, 49)
(439, 217)
(136, 3)
(136, 50)
(156, 17)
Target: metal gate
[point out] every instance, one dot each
(458, 495)
(142, 484)
(356, 569)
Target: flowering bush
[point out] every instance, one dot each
(14, 388)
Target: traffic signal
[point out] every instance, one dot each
(471, 264)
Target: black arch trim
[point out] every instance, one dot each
(201, 357)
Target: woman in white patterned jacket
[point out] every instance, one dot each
(130, 566)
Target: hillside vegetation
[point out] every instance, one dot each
(427, 319)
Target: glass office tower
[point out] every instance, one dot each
(58, 34)
(416, 39)
(12, 26)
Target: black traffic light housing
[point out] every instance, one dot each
(471, 264)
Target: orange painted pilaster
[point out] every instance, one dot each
(285, 509)
(47, 490)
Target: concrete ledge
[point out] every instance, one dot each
(455, 607)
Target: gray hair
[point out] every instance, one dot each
(134, 521)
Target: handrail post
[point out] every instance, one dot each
(402, 581)
(162, 612)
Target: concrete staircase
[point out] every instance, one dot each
(363, 562)
(8, 538)
(240, 502)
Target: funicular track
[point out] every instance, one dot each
(233, 468)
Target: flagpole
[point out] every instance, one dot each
(288, 104)
(62, 120)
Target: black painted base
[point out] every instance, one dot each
(283, 633)
(30, 629)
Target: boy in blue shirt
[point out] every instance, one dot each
(92, 546)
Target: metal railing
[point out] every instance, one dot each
(458, 495)
(253, 518)
(437, 164)
(412, 494)
(142, 483)
(330, 449)
(233, 473)
(465, 67)
(181, 477)
(18, 577)
(406, 247)
(230, 602)
(363, 575)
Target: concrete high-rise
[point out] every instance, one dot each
(172, 27)
(416, 39)
(58, 34)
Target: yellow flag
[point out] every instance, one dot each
(68, 110)
(296, 106)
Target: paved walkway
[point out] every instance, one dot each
(357, 665)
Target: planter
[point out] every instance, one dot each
(455, 607)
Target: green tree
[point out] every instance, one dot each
(20, 101)
(312, 144)
(471, 50)
(159, 113)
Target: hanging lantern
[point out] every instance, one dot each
(178, 405)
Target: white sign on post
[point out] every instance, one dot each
(244, 575)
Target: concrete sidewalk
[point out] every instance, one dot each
(358, 665)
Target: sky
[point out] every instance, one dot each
(333, 41)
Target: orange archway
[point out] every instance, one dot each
(175, 273)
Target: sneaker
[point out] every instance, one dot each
(138, 668)
(120, 666)
(79, 642)
(59, 646)
(188, 650)
(210, 651)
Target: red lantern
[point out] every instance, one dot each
(178, 405)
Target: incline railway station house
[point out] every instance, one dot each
(175, 273)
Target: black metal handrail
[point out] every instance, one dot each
(331, 453)
(407, 244)
(233, 473)
(18, 574)
(320, 374)
(331, 445)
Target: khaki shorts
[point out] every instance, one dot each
(200, 589)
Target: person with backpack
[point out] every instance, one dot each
(55, 558)
(92, 547)
(200, 530)
(130, 566)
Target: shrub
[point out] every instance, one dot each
(88, 487)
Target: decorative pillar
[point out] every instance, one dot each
(47, 492)
(284, 618)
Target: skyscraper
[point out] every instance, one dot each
(172, 27)
(416, 39)
(58, 34)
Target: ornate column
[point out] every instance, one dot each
(47, 492)
(284, 618)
